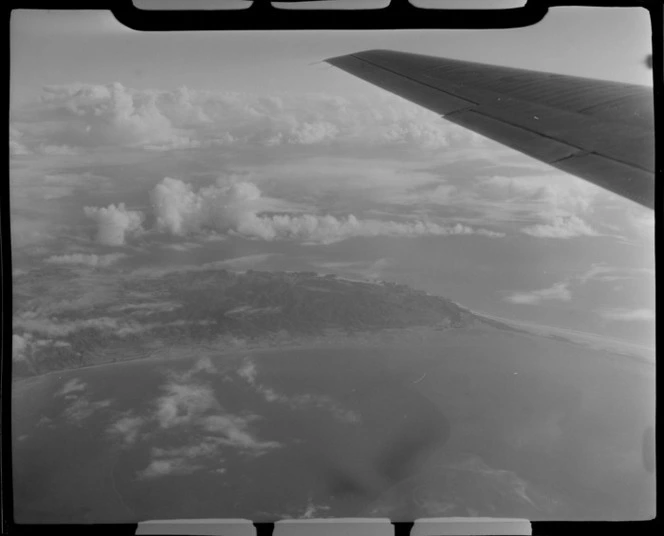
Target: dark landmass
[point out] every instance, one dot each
(92, 321)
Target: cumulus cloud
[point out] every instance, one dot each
(183, 403)
(87, 259)
(558, 203)
(20, 345)
(181, 460)
(233, 432)
(92, 115)
(627, 315)
(96, 115)
(204, 364)
(16, 146)
(561, 227)
(559, 291)
(82, 408)
(166, 467)
(249, 373)
(114, 223)
(126, 428)
(72, 386)
(239, 208)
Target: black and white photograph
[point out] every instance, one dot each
(303, 274)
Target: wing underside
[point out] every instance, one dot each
(598, 130)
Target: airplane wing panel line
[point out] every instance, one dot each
(415, 80)
(600, 131)
(556, 139)
(582, 128)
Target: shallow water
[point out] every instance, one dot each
(463, 424)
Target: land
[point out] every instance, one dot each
(81, 321)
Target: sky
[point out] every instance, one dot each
(132, 150)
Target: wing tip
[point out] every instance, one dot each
(358, 55)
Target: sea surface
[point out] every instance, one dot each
(463, 423)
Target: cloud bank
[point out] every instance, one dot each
(112, 115)
(238, 208)
(556, 200)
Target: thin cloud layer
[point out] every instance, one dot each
(559, 291)
(621, 314)
(91, 259)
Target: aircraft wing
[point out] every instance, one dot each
(598, 130)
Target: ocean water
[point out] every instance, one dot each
(483, 423)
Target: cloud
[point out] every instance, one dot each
(113, 223)
(82, 408)
(602, 272)
(57, 150)
(30, 321)
(186, 246)
(240, 263)
(556, 203)
(126, 428)
(238, 208)
(88, 260)
(148, 308)
(561, 227)
(20, 345)
(92, 115)
(249, 373)
(627, 315)
(111, 115)
(48, 327)
(596, 271)
(559, 291)
(204, 364)
(166, 467)
(365, 269)
(72, 386)
(180, 460)
(16, 147)
(233, 432)
(183, 403)
(236, 263)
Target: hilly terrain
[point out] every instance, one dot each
(72, 319)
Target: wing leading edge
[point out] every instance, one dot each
(598, 130)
